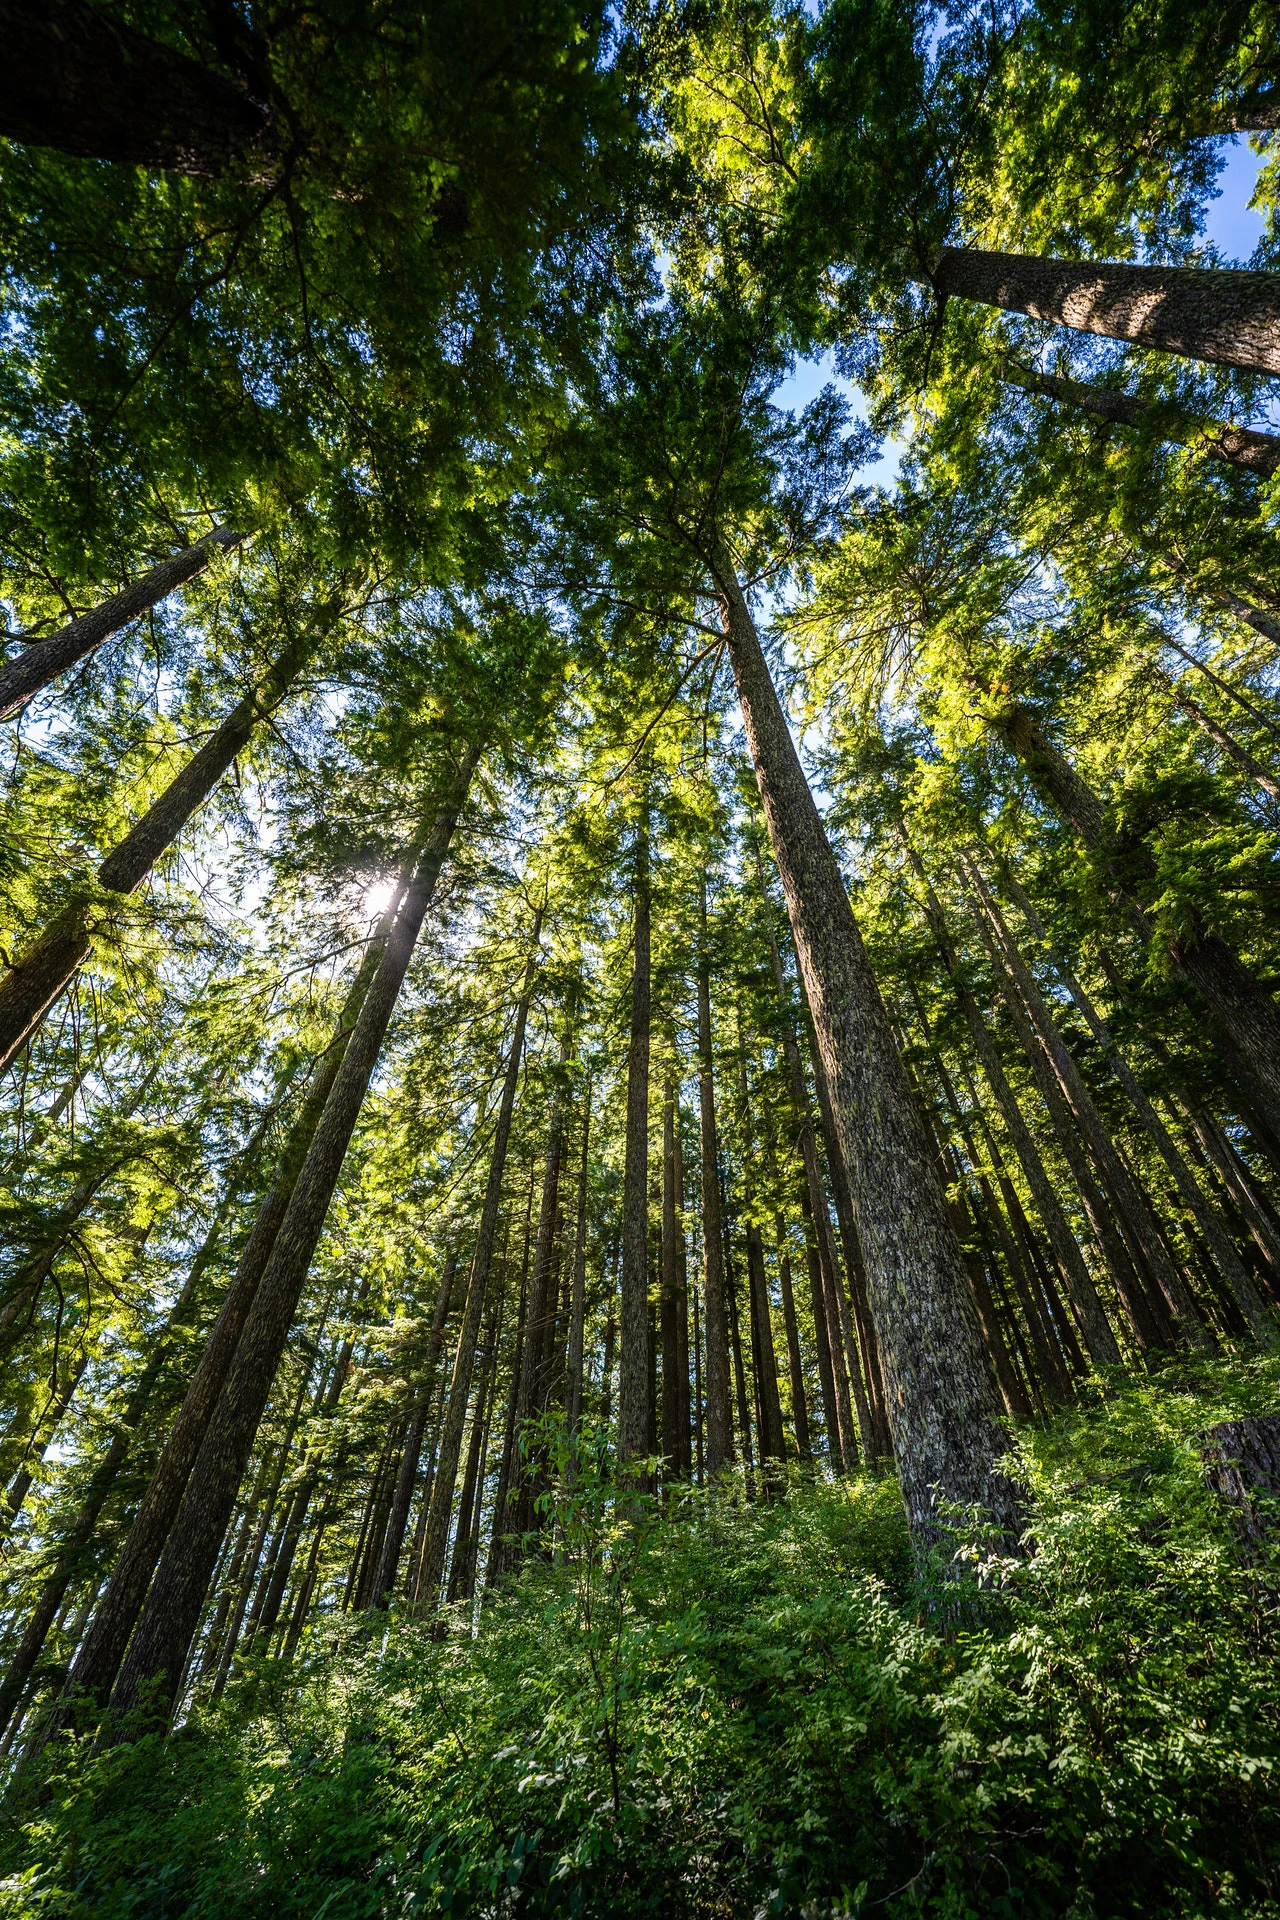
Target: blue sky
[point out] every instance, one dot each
(1230, 223)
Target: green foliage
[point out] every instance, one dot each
(722, 1707)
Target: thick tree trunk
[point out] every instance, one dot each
(398, 1519)
(92, 87)
(633, 1367)
(945, 1410)
(43, 660)
(1247, 1297)
(1242, 1465)
(159, 1648)
(1239, 446)
(31, 986)
(435, 1544)
(1229, 316)
(719, 1418)
(98, 1660)
(1245, 1014)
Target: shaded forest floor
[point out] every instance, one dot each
(734, 1708)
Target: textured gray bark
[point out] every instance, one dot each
(159, 1648)
(435, 1543)
(39, 975)
(44, 660)
(103, 1648)
(1239, 446)
(1242, 1465)
(92, 87)
(719, 1420)
(633, 1357)
(1226, 315)
(944, 1406)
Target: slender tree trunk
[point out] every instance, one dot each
(462, 1567)
(795, 1366)
(1226, 743)
(1244, 1011)
(1133, 1206)
(159, 1647)
(763, 1351)
(398, 1519)
(540, 1317)
(77, 80)
(633, 1371)
(40, 974)
(674, 1409)
(44, 660)
(98, 1660)
(435, 1542)
(739, 1371)
(1240, 446)
(1228, 316)
(700, 1460)
(47, 1425)
(719, 1419)
(945, 1410)
(499, 1531)
(1250, 1302)
(578, 1297)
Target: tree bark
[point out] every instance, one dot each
(945, 1411)
(435, 1543)
(1244, 1012)
(96, 89)
(1229, 316)
(718, 1418)
(675, 1392)
(43, 660)
(540, 1316)
(1226, 743)
(633, 1360)
(41, 973)
(1247, 1297)
(795, 1365)
(98, 1660)
(578, 1297)
(159, 1647)
(1239, 446)
(398, 1519)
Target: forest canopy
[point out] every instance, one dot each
(639, 958)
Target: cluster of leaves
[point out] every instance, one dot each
(721, 1706)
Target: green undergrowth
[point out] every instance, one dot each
(731, 1708)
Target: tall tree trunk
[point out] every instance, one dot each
(462, 1569)
(763, 1351)
(1240, 446)
(40, 974)
(1250, 1302)
(633, 1368)
(1244, 1011)
(719, 1418)
(1226, 742)
(435, 1544)
(43, 660)
(1229, 316)
(945, 1410)
(1134, 1211)
(535, 1354)
(675, 1391)
(98, 1661)
(398, 1519)
(795, 1365)
(90, 86)
(159, 1647)
(578, 1296)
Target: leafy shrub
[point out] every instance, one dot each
(723, 1707)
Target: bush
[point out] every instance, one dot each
(727, 1708)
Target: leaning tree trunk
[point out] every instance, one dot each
(435, 1542)
(43, 660)
(718, 1417)
(99, 1657)
(1239, 446)
(633, 1359)
(1225, 742)
(40, 974)
(1257, 1314)
(1244, 1012)
(158, 1651)
(1227, 315)
(88, 85)
(945, 1410)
